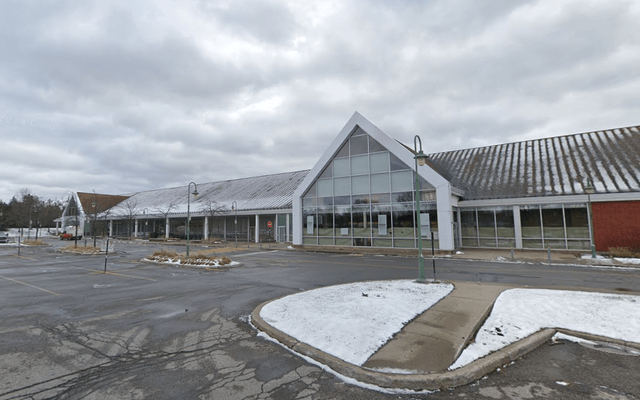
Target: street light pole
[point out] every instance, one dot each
(234, 206)
(195, 194)
(94, 223)
(145, 213)
(421, 160)
(589, 190)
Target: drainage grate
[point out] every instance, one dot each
(611, 348)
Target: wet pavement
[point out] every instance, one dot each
(150, 331)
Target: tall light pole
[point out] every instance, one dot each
(234, 206)
(94, 223)
(195, 194)
(421, 159)
(589, 190)
(146, 223)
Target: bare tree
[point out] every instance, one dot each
(211, 208)
(166, 210)
(130, 209)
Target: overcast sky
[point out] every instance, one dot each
(121, 96)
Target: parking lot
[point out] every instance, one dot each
(142, 330)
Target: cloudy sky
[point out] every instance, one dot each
(121, 96)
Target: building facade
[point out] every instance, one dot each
(362, 192)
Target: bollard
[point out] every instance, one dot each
(549, 254)
(513, 254)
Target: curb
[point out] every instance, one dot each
(430, 381)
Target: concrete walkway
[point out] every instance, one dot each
(435, 339)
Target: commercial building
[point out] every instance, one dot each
(362, 192)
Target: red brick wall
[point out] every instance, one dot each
(616, 224)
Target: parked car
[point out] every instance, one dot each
(4, 237)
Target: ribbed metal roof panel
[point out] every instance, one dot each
(266, 192)
(546, 167)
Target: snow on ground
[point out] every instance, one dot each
(518, 313)
(628, 260)
(352, 321)
(202, 263)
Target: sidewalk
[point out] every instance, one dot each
(435, 339)
(423, 350)
(418, 357)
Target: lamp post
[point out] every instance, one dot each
(589, 190)
(234, 206)
(93, 224)
(421, 159)
(146, 223)
(195, 194)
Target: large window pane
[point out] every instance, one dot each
(360, 184)
(359, 145)
(361, 216)
(342, 221)
(311, 192)
(379, 162)
(374, 146)
(341, 167)
(552, 222)
(396, 164)
(401, 181)
(309, 227)
(577, 220)
(402, 221)
(530, 223)
(327, 173)
(381, 198)
(486, 224)
(344, 151)
(468, 222)
(402, 197)
(359, 165)
(380, 183)
(504, 223)
(325, 221)
(381, 220)
(325, 187)
(342, 186)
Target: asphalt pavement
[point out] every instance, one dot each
(69, 330)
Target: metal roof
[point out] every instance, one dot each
(546, 167)
(266, 192)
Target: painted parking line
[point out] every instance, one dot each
(254, 254)
(95, 271)
(27, 284)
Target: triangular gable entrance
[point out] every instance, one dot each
(361, 162)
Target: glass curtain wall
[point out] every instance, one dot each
(487, 227)
(557, 226)
(365, 197)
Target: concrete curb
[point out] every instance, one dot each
(430, 381)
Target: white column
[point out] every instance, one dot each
(297, 221)
(287, 228)
(445, 217)
(257, 228)
(517, 226)
(166, 228)
(206, 228)
(224, 226)
(110, 228)
(135, 228)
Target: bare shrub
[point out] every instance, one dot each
(624, 252)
